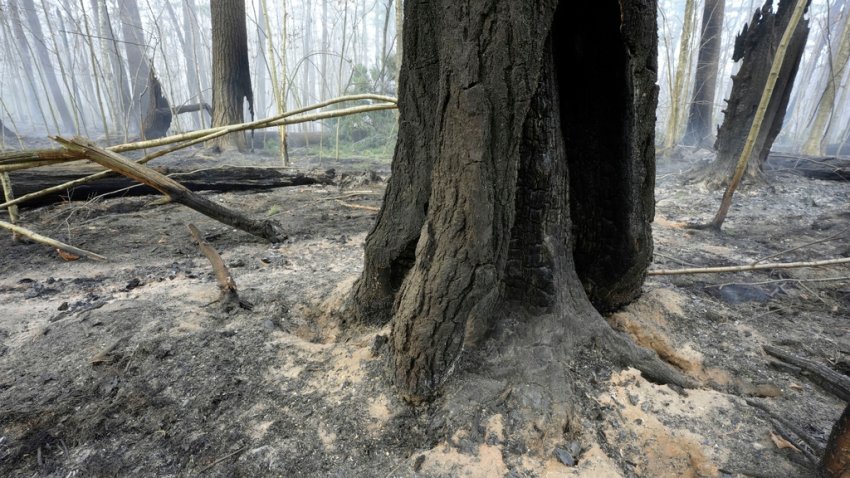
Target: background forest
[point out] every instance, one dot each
(67, 65)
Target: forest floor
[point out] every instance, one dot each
(127, 368)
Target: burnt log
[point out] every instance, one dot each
(812, 167)
(755, 46)
(218, 179)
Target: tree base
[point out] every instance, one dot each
(527, 371)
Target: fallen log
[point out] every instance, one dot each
(812, 167)
(267, 229)
(221, 179)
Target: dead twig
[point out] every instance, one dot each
(358, 206)
(229, 295)
(679, 261)
(798, 445)
(269, 230)
(103, 355)
(788, 279)
(219, 460)
(828, 379)
(815, 448)
(749, 267)
(50, 242)
(826, 239)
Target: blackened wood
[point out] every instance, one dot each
(812, 167)
(755, 47)
(221, 179)
(833, 382)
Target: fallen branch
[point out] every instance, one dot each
(194, 138)
(830, 380)
(50, 242)
(9, 195)
(229, 297)
(15, 160)
(222, 179)
(269, 230)
(748, 267)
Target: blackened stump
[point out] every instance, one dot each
(524, 168)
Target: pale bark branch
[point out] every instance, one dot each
(748, 267)
(50, 242)
(269, 230)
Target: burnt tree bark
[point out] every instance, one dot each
(836, 459)
(523, 177)
(158, 111)
(231, 71)
(699, 127)
(755, 45)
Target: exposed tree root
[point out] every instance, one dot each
(531, 373)
(628, 354)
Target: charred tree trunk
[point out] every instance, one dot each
(756, 45)
(524, 168)
(159, 112)
(231, 71)
(702, 104)
(836, 459)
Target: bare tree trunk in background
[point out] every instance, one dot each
(826, 105)
(84, 87)
(96, 75)
(677, 100)
(756, 45)
(134, 47)
(57, 101)
(47, 71)
(122, 98)
(196, 69)
(307, 96)
(23, 50)
(231, 70)
(72, 89)
(279, 85)
(802, 106)
(700, 122)
(182, 35)
(325, 89)
(260, 65)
